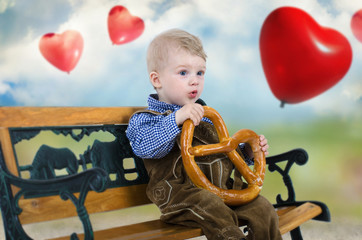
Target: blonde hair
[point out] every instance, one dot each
(157, 53)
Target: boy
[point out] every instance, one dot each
(176, 64)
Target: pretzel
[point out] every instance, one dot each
(228, 146)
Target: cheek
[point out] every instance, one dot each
(170, 84)
(175, 88)
(201, 84)
(201, 87)
(178, 85)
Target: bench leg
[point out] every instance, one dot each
(296, 234)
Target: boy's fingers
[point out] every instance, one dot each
(263, 143)
(199, 109)
(265, 148)
(197, 113)
(197, 119)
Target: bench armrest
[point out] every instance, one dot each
(298, 156)
(95, 179)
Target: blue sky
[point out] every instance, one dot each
(115, 75)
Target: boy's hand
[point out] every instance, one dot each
(193, 111)
(263, 142)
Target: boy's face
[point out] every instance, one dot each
(181, 81)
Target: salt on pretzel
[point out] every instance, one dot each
(228, 146)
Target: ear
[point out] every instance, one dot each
(155, 79)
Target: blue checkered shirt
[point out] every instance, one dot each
(153, 136)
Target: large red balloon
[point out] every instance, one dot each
(356, 25)
(122, 26)
(300, 58)
(62, 50)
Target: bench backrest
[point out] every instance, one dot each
(75, 126)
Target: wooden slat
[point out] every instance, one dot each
(297, 216)
(63, 116)
(290, 218)
(151, 230)
(53, 207)
(284, 210)
(155, 229)
(8, 151)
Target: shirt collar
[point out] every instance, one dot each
(156, 105)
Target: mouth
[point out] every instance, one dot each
(193, 94)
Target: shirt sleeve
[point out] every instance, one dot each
(152, 136)
(248, 160)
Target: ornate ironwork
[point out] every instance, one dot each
(9, 210)
(298, 156)
(95, 179)
(109, 156)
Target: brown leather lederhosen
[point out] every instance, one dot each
(180, 202)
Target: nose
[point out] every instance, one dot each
(194, 81)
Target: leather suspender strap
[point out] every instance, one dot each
(166, 113)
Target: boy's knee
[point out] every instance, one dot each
(230, 233)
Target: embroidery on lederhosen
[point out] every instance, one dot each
(162, 193)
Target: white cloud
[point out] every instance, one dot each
(354, 93)
(4, 88)
(6, 4)
(349, 6)
(20, 60)
(116, 74)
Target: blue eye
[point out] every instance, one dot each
(183, 73)
(200, 73)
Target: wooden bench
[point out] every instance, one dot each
(48, 183)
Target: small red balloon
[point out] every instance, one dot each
(122, 26)
(62, 50)
(356, 25)
(300, 58)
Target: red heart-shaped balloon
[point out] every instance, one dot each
(122, 26)
(62, 50)
(300, 58)
(356, 25)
